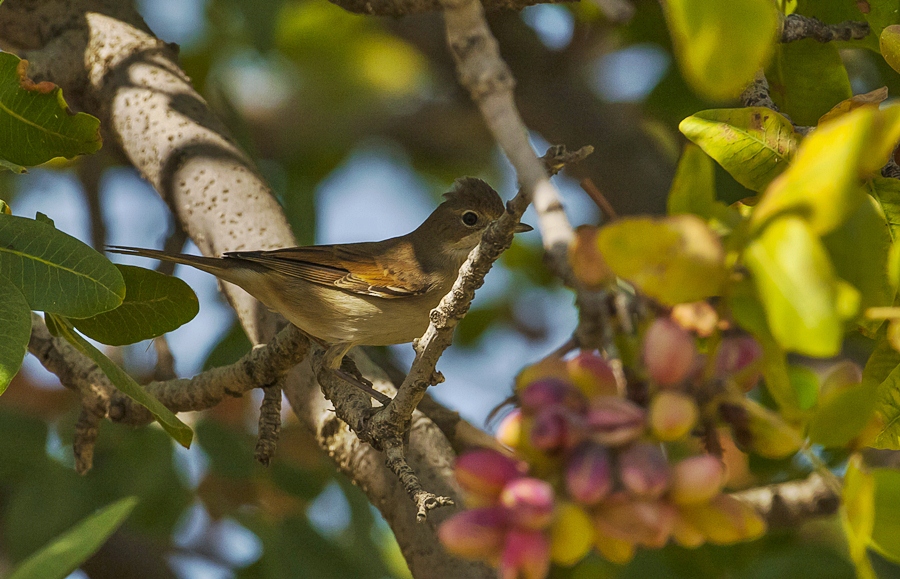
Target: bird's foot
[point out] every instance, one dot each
(356, 379)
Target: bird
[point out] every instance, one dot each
(360, 294)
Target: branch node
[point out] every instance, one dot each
(269, 423)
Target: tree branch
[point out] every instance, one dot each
(788, 504)
(797, 27)
(404, 7)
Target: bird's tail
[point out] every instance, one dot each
(217, 266)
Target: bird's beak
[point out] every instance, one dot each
(522, 228)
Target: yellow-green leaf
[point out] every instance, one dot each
(753, 144)
(858, 515)
(798, 288)
(889, 43)
(822, 184)
(674, 260)
(720, 45)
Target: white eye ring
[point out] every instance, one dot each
(470, 218)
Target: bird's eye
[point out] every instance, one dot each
(470, 218)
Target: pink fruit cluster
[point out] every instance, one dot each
(509, 523)
(600, 474)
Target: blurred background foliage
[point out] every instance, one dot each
(358, 124)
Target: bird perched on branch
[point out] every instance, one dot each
(373, 293)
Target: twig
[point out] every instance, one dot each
(797, 27)
(258, 368)
(599, 198)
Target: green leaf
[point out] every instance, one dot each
(887, 193)
(674, 260)
(843, 415)
(886, 527)
(889, 43)
(15, 321)
(154, 304)
(888, 406)
(56, 272)
(797, 286)
(859, 251)
(807, 78)
(753, 144)
(37, 123)
(822, 183)
(693, 189)
(858, 515)
(125, 383)
(720, 45)
(58, 559)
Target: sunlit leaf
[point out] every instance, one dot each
(62, 556)
(822, 183)
(797, 285)
(806, 79)
(37, 123)
(868, 99)
(674, 260)
(125, 383)
(56, 272)
(154, 304)
(720, 45)
(753, 144)
(15, 321)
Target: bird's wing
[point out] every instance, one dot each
(350, 267)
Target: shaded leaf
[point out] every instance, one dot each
(887, 193)
(843, 415)
(674, 260)
(125, 383)
(58, 559)
(37, 123)
(888, 406)
(797, 286)
(154, 304)
(886, 527)
(858, 515)
(720, 45)
(753, 144)
(693, 189)
(859, 251)
(15, 321)
(889, 43)
(56, 272)
(806, 79)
